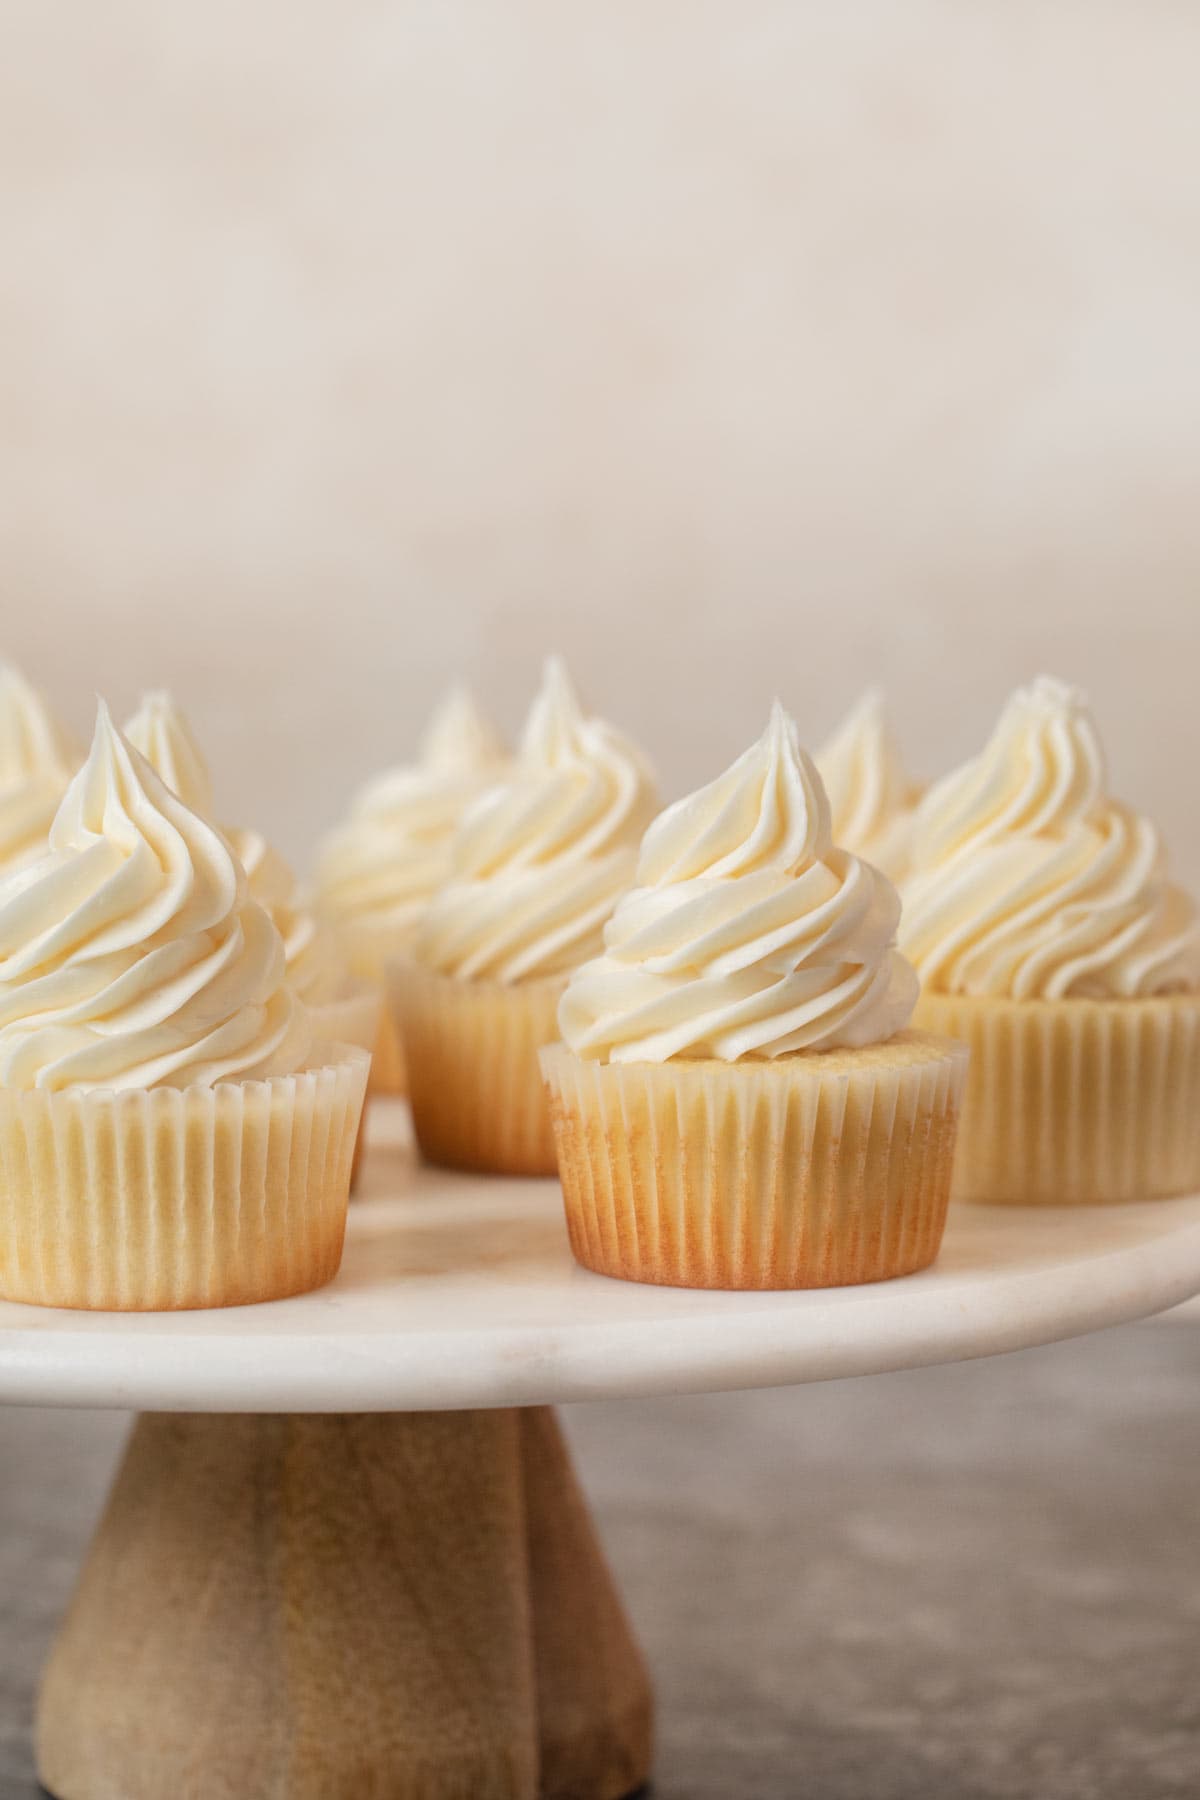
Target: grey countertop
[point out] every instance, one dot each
(975, 1583)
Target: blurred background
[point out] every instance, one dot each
(727, 349)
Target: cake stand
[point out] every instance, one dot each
(346, 1556)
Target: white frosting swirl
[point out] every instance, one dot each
(748, 934)
(540, 860)
(377, 872)
(131, 953)
(163, 735)
(37, 760)
(871, 797)
(1029, 882)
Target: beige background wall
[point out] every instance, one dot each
(728, 347)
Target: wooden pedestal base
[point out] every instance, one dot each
(369, 1607)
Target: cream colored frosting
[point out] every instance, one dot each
(540, 860)
(748, 933)
(871, 797)
(37, 760)
(378, 871)
(1029, 882)
(163, 735)
(131, 953)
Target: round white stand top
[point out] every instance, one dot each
(458, 1291)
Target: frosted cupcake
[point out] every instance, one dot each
(1048, 937)
(169, 1136)
(872, 799)
(737, 1102)
(37, 759)
(378, 871)
(537, 867)
(343, 1010)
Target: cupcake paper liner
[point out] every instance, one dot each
(1071, 1102)
(152, 1200)
(358, 1017)
(808, 1171)
(389, 1071)
(474, 1083)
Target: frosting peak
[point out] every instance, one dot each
(163, 735)
(769, 810)
(460, 739)
(131, 954)
(37, 758)
(1029, 882)
(165, 738)
(871, 796)
(540, 859)
(377, 872)
(749, 934)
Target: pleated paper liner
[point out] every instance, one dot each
(474, 1082)
(809, 1171)
(357, 1017)
(389, 1072)
(1071, 1102)
(158, 1199)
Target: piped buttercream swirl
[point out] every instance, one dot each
(748, 933)
(37, 760)
(540, 859)
(131, 953)
(377, 872)
(1028, 882)
(872, 799)
(162, 733)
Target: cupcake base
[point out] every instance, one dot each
(1076, 1102)
(474, 1083)
(163, 1199)
(810, 1171)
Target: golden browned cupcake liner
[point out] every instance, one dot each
(389, 1070)
(1071, 1102)
(808, 1171)
(152, 1200)
(474, 1083)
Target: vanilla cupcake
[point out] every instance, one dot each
(736, 1101)
(378, 871)
(37, 759)
(872, 799)
(169, 1136)
(1048, 937)
(537, 867)
(343, 1010)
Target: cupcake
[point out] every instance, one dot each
(872, 799)
(1047, 936)
(378, 871)
(537, 867)
(343, 1011)
(737, 1101)
(169, 1134)
(37, 759)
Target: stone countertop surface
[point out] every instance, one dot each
(972, 1583)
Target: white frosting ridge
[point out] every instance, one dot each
(378, 870)
(1029, 882)
(161, 732)
(540, 859)
(748, 933)
(872, 798)
(37, 760)
(131, 953)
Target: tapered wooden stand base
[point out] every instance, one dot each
(369, 1607)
